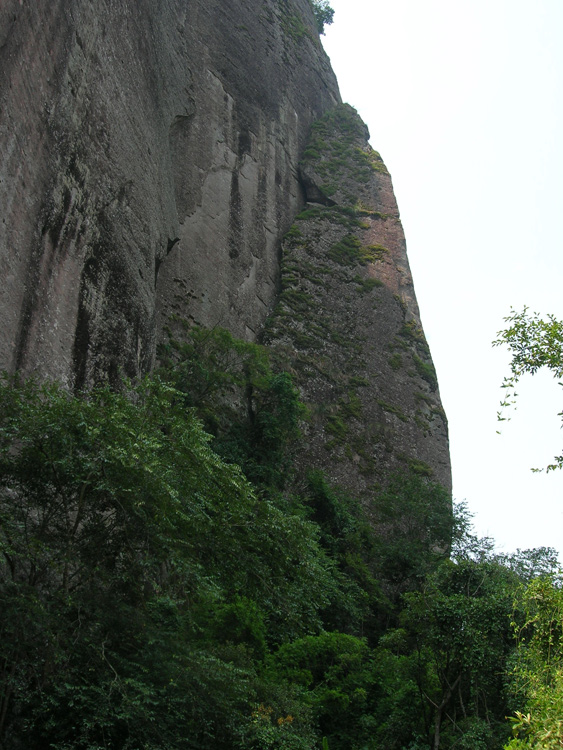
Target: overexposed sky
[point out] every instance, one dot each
(464, 101)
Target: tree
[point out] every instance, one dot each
(535, 343)
(442, 672)
(460, 626)
(536, 679)
(139, 573)
(102, 500)
(324, 14)
(413, 517)
(335, 674)
(253, 413)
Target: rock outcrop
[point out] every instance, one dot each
(149, 166)
(148, 160)
(347, 322)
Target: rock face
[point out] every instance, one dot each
(149, 166)
(347, 322)
(148, 160)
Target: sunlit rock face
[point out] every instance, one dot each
(148, 166)
(347, 322)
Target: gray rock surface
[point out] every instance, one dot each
(347, 322)
(148, 166)
(152, 156)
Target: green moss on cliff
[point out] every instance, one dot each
(392, 409)
(395, 361)
(426, 371)
(337, 152)
(367, 285)
(349, 251)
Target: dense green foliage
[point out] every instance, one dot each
(252, 412)
(127, 544)
(536, 683)
(324, 14)
(167, 581)
(534, 343)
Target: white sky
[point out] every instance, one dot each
(463, 100)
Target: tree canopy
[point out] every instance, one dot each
(534, 343)
(324, 14)
(167, 580)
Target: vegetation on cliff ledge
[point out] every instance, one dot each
(324, 14)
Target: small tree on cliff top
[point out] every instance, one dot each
(324, 14)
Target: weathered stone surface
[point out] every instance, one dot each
(348, 324)
(148, 160)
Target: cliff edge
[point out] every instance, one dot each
(347, 322)
(153, 156)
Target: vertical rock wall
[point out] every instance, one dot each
(148, 159)
(347, 322)
(149, 166)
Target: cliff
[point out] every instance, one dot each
(150, 165)
(347, 322)
(148, 150)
